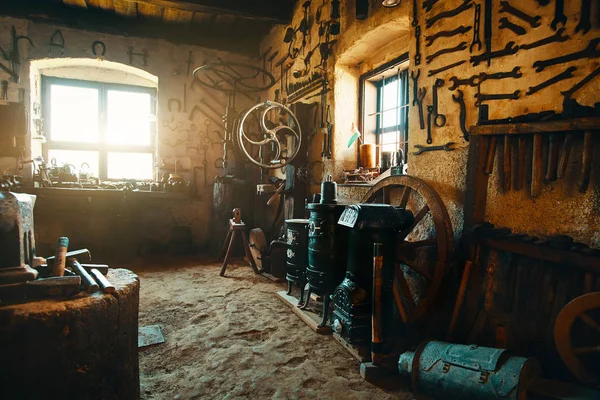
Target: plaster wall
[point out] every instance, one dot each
(387, 34)
(560, 209)
(180, 134)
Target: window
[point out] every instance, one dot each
(386, 104)
(105, 130)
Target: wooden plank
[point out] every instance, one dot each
(362, 354)
(576, 124)
(150, 11)
(76, 3)
(275, 11)
(98, 20)
(185, 17)
(477, 182)
(564, 257)
(170, 15)
(102, 4)
(309, 318)
(125, 8)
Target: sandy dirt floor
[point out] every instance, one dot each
(232, 338)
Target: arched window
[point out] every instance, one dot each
(99, 118)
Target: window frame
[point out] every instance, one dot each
(102, 146)
(403, 63)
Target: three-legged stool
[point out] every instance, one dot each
(235, 229)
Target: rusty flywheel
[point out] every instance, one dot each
(577, 337)
(425, 249)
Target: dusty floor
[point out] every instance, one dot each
(232, 338)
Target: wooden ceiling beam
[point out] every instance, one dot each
(97, 20)
(275, 11)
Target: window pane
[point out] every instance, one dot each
(74, 114)
(389, 141)
(130, 166)
(76, 158)
(390, 101)
(128, 116)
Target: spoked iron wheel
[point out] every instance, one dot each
(577, 337)
(424, 250)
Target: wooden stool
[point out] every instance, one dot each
(235, 228)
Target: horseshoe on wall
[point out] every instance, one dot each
(176, 101)
(95, 45)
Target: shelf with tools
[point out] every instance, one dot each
(574, 124)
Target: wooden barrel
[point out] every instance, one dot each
(79, 348)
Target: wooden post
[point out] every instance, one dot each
(377, 307)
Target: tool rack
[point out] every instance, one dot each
(522, 278)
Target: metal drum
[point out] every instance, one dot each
(297, 251)
(327, 248)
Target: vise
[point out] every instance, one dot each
(17, 239)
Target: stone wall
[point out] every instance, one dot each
(178, 132)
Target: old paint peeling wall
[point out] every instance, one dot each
(387, 34)
(178, 133)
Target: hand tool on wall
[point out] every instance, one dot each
(459, 98)
(459, 47)
(564, 155)
(515, 73)
(590, 51)
(585, 20)
(418, 45)
(586, 164)
(568, 73)
(415, 81)
(516, 29)
(458, 31)
(103, 282)
(422, 149)
(434, 72)
(420, 98)
(172, 101)
(271, 58)
(482, 97)
(553, 150)
(507, 163)
(438, 119)
(429, 114)
(428, 4)
(476, 26)
(533, 21)
(488, 167)
(263, 57)
(559, 14)
(487, 32)
(185, 97)
(466, 4)
(13, 55)
(205, 166)
(415, 18)
(57, 40)
(189, 63)
(143, 55)
(521, 168)
(554, 38)
(537, 174)
(509, 49)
